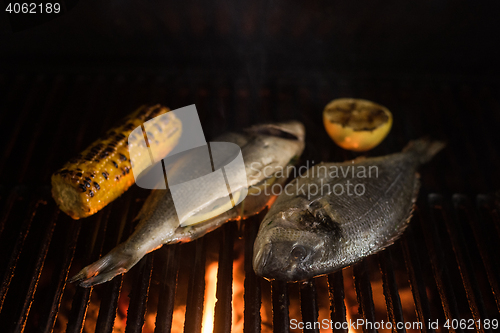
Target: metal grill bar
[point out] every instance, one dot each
(23, 312)
(14, 197)
(337, 305)
(393, 302)
(73, 233)
(57, 288)
(414, 269)
(82, 295)
(167, 292)
(35, 274)
(489, 250)
(108, 306)
(495, 216)
(109, 301)
(140, 289)
(443, 227)
(281, 320)
(196, 290)
(223, 310)
(17, 248)
(459, 244)
(139, 295)
(439, 264)
(308, 303)
(364, 293)
(252, 320)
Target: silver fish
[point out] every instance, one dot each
(266, 149)
(314, 229)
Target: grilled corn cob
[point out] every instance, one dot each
(102, 172)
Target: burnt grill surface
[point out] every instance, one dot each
(447, 260)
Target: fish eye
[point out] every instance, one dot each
(299, 252)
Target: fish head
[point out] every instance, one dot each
(274, 147)
(296, 244)
(280, 143)
(292, 130)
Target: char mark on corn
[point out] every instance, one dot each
(101, 173)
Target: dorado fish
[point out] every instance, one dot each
(266, 149)
(339, 213)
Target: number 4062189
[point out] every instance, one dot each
(471, 324)
(33, 8)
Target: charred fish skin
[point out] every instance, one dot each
(270, 146)
(304, 236)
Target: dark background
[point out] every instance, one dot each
(434, 64)
(261, 39)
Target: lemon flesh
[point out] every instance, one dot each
(220, 206)
(356, 124)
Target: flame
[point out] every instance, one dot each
(348, 319)
(238, 303)
(237, 298)
(271, 201)
(238, 295)
(210, 298)
(178, 318)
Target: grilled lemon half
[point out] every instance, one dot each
(356, 124)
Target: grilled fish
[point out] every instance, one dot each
(339, 213)
(267, 150)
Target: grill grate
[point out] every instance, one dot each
(444, 267)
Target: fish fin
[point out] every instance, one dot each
(112, 264)
(402, 227)
(197, 230)
(398, 232)
(406, 221)
(424, 149)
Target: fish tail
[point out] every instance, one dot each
(424, 149)
(116, 262)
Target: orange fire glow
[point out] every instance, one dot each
(210, 298)
(238, 304)
(348, 319)
(238, 292)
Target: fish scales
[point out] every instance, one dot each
(306, 235)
